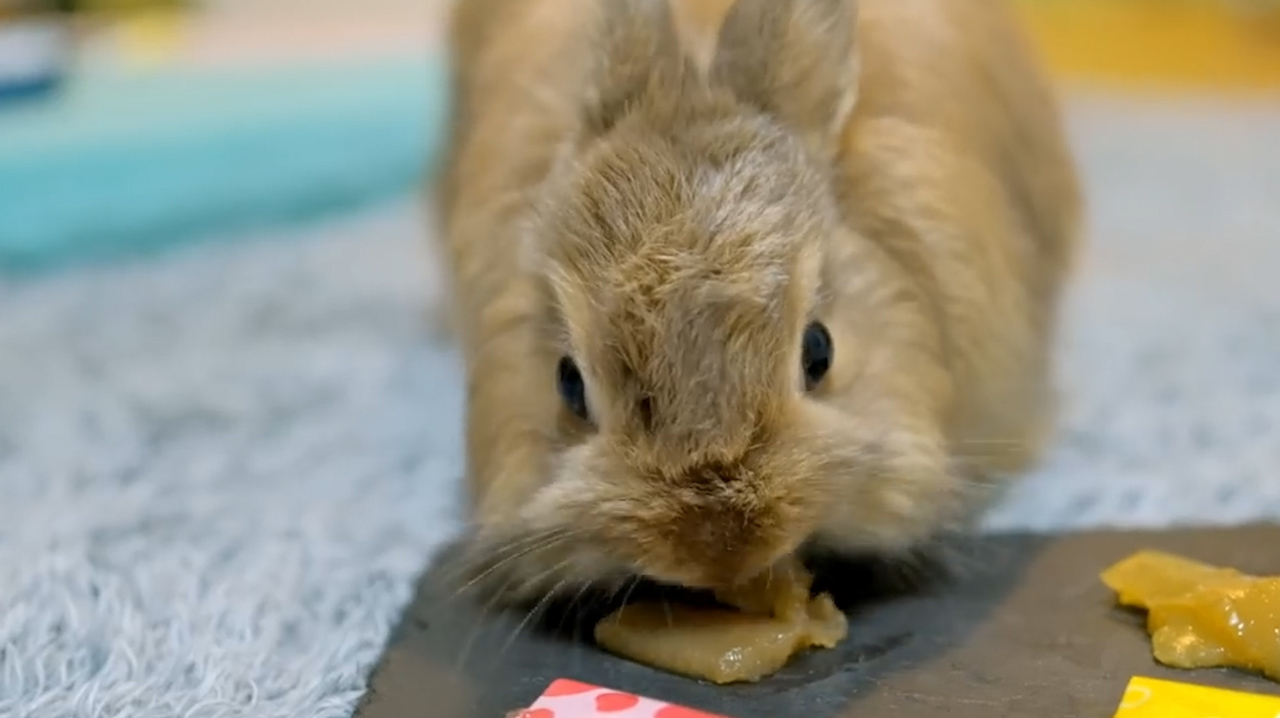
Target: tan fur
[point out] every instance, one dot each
(668, 195)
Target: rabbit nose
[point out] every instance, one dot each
(724, 544)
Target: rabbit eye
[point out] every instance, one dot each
(815, 354)
(573, 392)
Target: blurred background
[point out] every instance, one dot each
(131, 125)
(224, 114)
(229, 440)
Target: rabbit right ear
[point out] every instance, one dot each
(637, 48)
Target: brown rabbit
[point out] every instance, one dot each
(736, 278)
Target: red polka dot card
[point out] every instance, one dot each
(570, 699)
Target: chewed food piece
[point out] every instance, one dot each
(772, 619)
(718, 645)
(1202, 616)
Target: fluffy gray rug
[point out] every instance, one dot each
(221, 470)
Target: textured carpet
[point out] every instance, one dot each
(221, 469)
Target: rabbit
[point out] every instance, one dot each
(732, 279)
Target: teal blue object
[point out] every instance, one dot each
(121, 164)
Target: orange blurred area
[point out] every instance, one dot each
(1126, 45)
(1160, 45)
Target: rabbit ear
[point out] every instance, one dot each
(793, 59)
(637, 48)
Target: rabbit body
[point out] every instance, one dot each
(646, 207)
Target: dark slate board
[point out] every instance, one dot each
(1023, 628)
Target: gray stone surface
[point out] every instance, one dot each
(1024, 628)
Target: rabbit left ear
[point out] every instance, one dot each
(795, 60)
(637, 47)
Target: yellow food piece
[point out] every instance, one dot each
(775, 619)
(1202, 616)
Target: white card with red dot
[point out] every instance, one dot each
(570, 699)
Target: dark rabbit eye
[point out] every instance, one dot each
(572, 391)
(815, 354)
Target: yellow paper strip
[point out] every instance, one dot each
(1151, 698)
